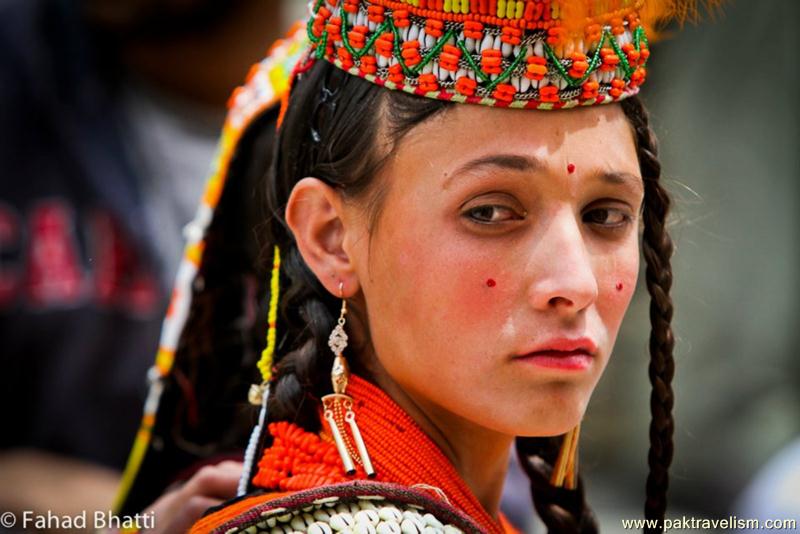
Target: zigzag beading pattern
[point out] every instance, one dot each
(455, 56)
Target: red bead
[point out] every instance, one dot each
(571, 168)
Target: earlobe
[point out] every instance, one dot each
(314, 215)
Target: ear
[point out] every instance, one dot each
(314, 213)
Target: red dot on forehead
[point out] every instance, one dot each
(571, 168)
(619, 286)
(490, 283)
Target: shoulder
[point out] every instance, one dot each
(358, 507)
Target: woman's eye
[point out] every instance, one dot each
(608, 217)
(492, 213)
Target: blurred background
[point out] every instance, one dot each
(109, 115)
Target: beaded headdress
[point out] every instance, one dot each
(541, 54)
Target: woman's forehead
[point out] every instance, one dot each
(596, 136)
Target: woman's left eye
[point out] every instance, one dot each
(608, 217)
(491, 213)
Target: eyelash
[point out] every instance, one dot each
(470, 214)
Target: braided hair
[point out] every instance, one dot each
(327, 134)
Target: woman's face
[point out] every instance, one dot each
(502, 233)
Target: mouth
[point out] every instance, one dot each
(562, 354)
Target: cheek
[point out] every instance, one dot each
(446, 296)
(616, 278)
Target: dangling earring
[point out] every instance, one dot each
(339, 406)
(566, 468)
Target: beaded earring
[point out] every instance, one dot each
(339, 406)
(566, 467)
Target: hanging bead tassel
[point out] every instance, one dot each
(330, 402)
(259, 393)
(566, 468)
(255, 437)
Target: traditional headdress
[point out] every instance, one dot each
(527, 54)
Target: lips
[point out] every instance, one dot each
(562, 353)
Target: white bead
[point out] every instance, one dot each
(450, 529)
(371, 25)
(498, 43)
(431, 521)
(538, 48)
(413, 33)
(428, 68)
(524, 84)
(321, 515)
(432, 530)
(319, 528)
(367, 516)
(364, 528)
(515, 81)
(390, 513)
(506, 48)
(388, 527)
(430, 41)
(421, 37)
(469, 43)
(342, 521)
(383, 61)
(487, 43)
(408, 527)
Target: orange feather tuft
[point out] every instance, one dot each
(654, 14)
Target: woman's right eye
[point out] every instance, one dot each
(492, 214)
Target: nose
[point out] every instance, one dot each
(560, 267)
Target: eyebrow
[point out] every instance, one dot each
(514, 162)
(522, 163)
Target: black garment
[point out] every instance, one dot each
(81, 300)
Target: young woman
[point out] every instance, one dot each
(449, 277)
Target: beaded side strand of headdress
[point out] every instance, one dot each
(259, 393)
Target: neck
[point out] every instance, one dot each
(479, 455)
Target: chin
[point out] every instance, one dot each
(551, 419)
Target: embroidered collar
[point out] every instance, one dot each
(401, 453)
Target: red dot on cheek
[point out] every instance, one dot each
(490, 283)
(571, 168)
(619, 286)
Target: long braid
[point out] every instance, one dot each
(657, 249)
(562, 510)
